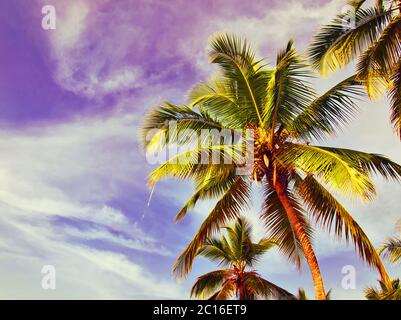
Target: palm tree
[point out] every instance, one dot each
(391, 249)
(238, 254)
(302, 295)
(296, 177)
(385, 292)
(374, 40)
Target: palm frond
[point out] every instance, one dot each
(215, 183)
(331, 215)
(208, 283)
(391, 250)
(228, 207)
(262, 288)
(370, 163)
(195, 163)
(221, 101)
(239, 239)
(237, 62)
(392, 292)
(378, 62)
(301, 294)
(228, 291)
(334, 169)
(218, 250)
(260, 248)
(395, 99)
(279, 227)
(164, 124)
(338, 42)
(329, 112)
(287, 92)
(357, 4)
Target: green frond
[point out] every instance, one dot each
(237, 62)
(331, 215)
(208, 283)
(236, 248)
(227, 208)
(369, 163)
(218, 250)
(336, 170)
(279, 227)
(263, 246)
(376, 65)
(220, 99)
(288, 93)
(240, 241)
(329, 112)
(338, 43)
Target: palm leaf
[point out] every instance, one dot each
(378, 62)
(395, 99)
(162, 125)
(287, 93)
(391, 250)
(336, 44)
(280, 228)
(218, 250)
(263, 288)
(237, 61)
(227, 208)
(228, 291)
(208, 283)
(335, 170)
(328, 112)
(330, 214)
(369, 163)
(220, 99)
(214, 185)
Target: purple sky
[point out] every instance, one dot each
(72, 174)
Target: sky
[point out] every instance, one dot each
(73, 189)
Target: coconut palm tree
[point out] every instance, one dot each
(302, 295)
(372, 35)
(391, 249)
(238, 254)
(295, 176)
(385, 292)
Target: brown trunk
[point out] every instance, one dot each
(304, 241)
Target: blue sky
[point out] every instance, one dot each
(73, 176)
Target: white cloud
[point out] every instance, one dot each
(71, 23)
(87, 61)
(121, 79)
(81, 272)
(71, 172)
(268, 33)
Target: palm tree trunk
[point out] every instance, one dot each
(304, 241)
